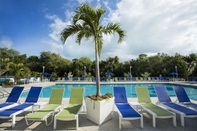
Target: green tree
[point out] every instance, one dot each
(53, 63)
(18, 70)
(86, 24)
(8, 53)
(33, 63)
(77, 67)
(145, 74)
(3, 63)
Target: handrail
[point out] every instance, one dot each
(3, 92)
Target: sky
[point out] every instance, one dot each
(152, 26)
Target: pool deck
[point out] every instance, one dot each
(111, 125)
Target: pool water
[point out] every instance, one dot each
(90, 89)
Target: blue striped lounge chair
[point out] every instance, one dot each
(82, 78)
(31, 99)
(183, 98)
(164, 100)
(103, 79)
(125, 110)
(75, 79)
(153, 78)
(13, 98)
(119, 78)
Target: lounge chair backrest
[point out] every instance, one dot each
(181, 94)
(56, 96)
(76, 96)
(15, 94)
(120, 95)
(33, 94)
(142, 94)
(162, 94)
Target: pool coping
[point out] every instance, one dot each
(186, 83)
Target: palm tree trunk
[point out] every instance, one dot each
(98, 93)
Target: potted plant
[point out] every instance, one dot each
(86, 24)
(99, 108)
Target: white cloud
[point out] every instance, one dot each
(155, 26)
(84, 1)
(55, 46)
(6, 43)
(70, 49)
(56, 27)
(68, 15)
(106, 3)
(151, 26)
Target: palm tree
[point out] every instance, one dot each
(188, 68)
(86, 24)
(18, 70)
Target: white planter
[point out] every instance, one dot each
(99, 111)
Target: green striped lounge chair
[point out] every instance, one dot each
(54, 105)
(87, 79)
(59, 79)
(63, 79)
(72, 110)
(136, 79)
(156, 111)
(71, 79)
(115, 79)
(78, 79)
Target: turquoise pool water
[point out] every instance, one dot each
(108, 88)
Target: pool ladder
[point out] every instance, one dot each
(3, 92)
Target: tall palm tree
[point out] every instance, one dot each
(86, 24)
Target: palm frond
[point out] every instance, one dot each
(70, 30)
(113, 28)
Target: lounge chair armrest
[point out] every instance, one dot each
(62, 106)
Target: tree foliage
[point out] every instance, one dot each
(59, 66)
(86, 24)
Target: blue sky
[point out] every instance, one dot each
(33, 26)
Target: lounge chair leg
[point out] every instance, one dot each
(13, 120)
(182, 121)
(77, 123)
(120, 123)
(174, 121)
(47, 124)
(142, 123)
(154, 124)
(54, 125)
(28, 122)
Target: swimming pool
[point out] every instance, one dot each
(108, 88)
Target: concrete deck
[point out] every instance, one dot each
(86, 125)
